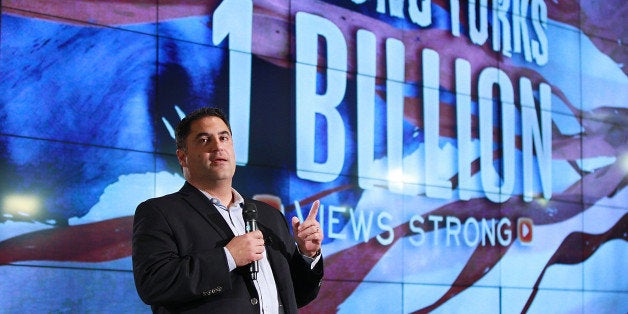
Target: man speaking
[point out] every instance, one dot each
(192, 252)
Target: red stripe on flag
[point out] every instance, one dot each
(94, 242)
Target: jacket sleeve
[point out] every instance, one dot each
(165, 271)
(306, 280)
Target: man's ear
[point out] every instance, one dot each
(182, 157)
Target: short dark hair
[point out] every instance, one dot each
(183, 128)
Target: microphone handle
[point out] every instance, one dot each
(251, 225)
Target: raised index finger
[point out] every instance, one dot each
(313, 211)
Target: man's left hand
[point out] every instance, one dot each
(308, 233)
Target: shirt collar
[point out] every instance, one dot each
(237, 199)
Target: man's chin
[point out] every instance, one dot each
(222, 173)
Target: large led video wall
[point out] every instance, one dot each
(470, 156)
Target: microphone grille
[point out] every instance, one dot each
(249, 212)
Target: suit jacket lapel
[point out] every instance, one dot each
(206, 209)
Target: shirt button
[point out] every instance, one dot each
(254, 301)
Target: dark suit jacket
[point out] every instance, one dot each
(179, 264)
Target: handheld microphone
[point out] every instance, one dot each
(249, 213)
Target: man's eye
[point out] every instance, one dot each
(203, 140)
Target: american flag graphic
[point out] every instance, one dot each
(91, 91)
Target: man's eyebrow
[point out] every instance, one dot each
(201, 134)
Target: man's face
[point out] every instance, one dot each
(210, 156)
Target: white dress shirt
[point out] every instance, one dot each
(265, 282)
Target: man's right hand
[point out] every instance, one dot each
(246, 248)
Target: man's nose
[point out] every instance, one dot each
(215, 144)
